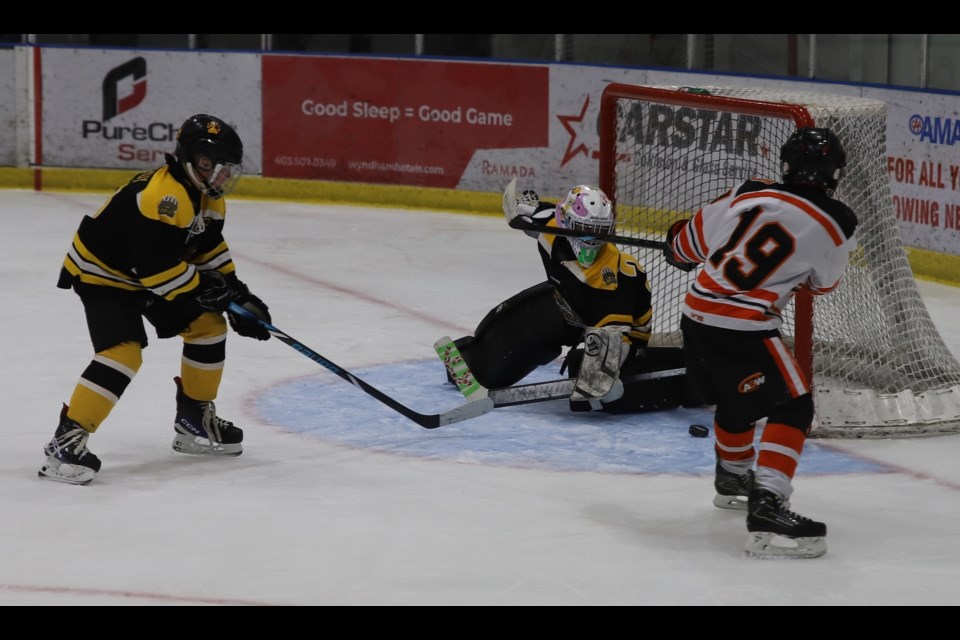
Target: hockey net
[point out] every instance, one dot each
(878, 365)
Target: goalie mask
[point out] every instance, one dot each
(586, 209)
(211, 153)
(813, 156)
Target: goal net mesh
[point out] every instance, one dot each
(880, 368)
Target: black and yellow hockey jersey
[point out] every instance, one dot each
(612, 291)
(154, 234)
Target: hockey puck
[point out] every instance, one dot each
(698, 431)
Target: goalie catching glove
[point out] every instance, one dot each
(217, 291)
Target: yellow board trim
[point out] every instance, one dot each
(932, 265)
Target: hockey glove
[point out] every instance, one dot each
(242, 325)
(214, 292)
(528, 202)
(675, 229)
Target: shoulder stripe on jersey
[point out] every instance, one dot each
(832, 228)
(684, 245)
(697, 236)
(214, 209)
(217, 259)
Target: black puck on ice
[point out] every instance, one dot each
(698, 431)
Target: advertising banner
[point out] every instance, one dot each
(407, 122)
(923, 163)
(571, 156)
(121, 109)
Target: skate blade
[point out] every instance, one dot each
(736, 503)
(732, 503)
(203, 447)
(65, 473)
(765, 545)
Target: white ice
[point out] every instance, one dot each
(337, 500)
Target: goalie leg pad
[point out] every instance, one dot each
(604, 353)
(457, 368)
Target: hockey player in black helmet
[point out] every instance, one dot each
(156, 250)
(758, 245)
(813, 156)
(211, 153)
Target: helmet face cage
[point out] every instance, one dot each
(588, 209)
(211, 153)
(813, 156)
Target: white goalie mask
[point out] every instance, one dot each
(587, 209)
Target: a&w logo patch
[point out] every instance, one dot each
(751, 383)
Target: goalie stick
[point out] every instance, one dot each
(523, 223)
(466, 411)
(524, 393)
(561, 389)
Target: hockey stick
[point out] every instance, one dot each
(525, 393)
(466, 411)
(560, 389)
(523, 223)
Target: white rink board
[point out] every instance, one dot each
(8, 107)
(76, 131)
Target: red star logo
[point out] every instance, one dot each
(572, 148)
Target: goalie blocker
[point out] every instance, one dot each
(641, 391)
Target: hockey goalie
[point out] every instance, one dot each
(596, 301)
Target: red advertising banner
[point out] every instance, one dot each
(411, 122)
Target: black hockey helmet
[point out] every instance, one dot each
(211, 153)
(814, 156)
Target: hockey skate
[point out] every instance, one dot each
(732, 489)
(776, 532)
(200, 431)
(68, 459)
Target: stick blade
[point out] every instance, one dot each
(472, 409)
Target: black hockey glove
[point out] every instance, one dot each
(668, 256)
(214, 293)
(242, 325)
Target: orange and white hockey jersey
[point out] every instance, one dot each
(758, 243)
